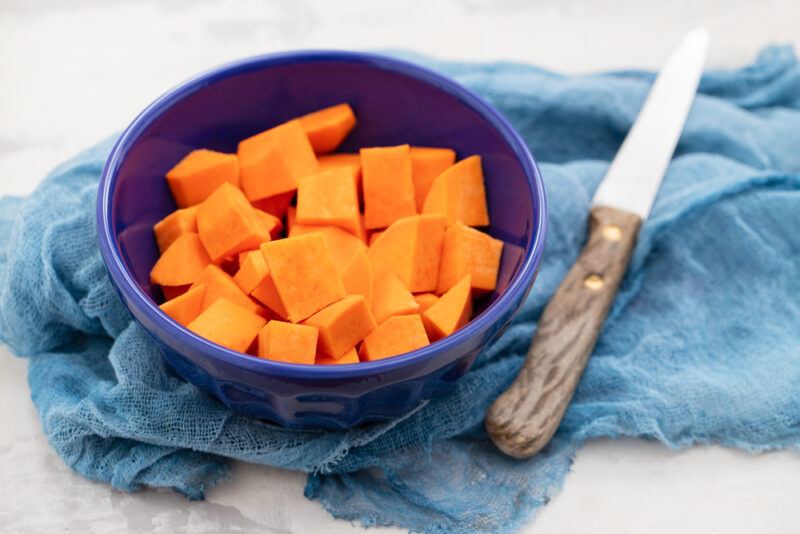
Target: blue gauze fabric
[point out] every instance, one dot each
(702, 344)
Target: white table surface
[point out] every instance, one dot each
(75, 72)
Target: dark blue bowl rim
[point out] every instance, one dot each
(136, 297)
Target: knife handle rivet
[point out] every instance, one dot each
(594, 282)
(612, 232)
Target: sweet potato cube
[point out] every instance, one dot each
(350, 357)
(411, 247)
(466, 251)
(182, 263)
(391, 297)
(270, 163)
(425, 300)
(342, 324)
(426, 164)
(272, 224)
(388, 186)
(328, 198)
(199, 174)
(327, 128)
(267, 173)
(228, 324)
(228, 224)
(184, 308)
(342, 244)
(336, 161)
(252, 270)
(277, 205)
(174, 225)
(304, 274)
(349, 161)
(357, 276)
(267, 294)
(287, 342)
(427, 253)
(396, 335)
(451, 312)
(219, 284)
(459, 194)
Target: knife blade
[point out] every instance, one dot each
(635, 174)
(522, 420)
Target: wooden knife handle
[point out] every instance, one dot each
(524, 418)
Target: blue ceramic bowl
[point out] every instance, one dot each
(396, 102)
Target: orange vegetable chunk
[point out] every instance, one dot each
(350, 357)
(336, 161)
(425, 300)
(277, 205)
(426, 164)
(270, 163)
(328, 198)
(357, 276)
(469, 251)
(272, 224)
(182, 263)
(396, 335)
(327, 128)
(459, 194)
(253, 279)
(388, 186)
(184, 308)
(342, 244)
(228, 324)
(228, 224)
(267, 294)
(199, 174)
(392, 298)
(252, 270)
(171, 227)
(411, 247)
(342, 324)
(304, 274)
(219, 284)
(451, 312)
(287, 342)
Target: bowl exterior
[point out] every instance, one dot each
(344, 402)
(397, 102)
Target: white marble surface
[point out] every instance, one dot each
(75, 72)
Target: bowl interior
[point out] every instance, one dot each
(394, 102)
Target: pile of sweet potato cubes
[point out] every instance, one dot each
(289, 252)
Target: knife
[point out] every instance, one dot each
(524, 418)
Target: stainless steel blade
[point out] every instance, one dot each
(634, 176)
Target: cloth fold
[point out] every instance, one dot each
(701, 345)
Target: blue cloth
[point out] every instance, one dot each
(702, 344)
